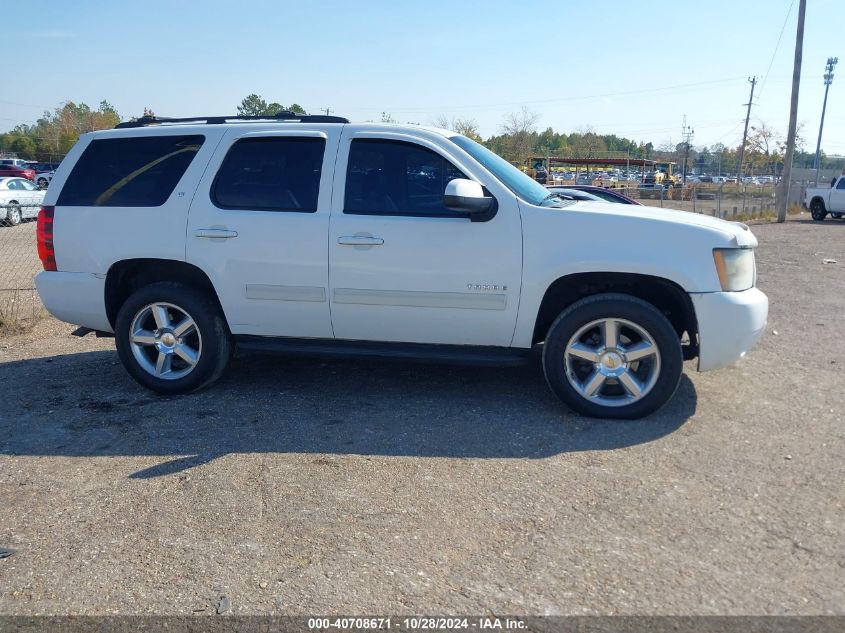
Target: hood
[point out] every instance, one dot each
(737, 232)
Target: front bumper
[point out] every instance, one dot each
(729, 325)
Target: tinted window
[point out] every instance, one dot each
(25, 184)
(841, 183)
(140, 171)
(271, 174)
(395, 178)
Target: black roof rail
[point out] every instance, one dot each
(284, 116)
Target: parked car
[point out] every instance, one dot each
(606, 195)
(8, 170)
(564, 193)
(40, 167)
(43, 178)
(17, 162)
(824, 200)
(19, 200)
(187, 238)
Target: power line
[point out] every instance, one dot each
(772, 60)
(555, 100)
(27, 105)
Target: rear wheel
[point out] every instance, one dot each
(172, 338)
(42, 183)
(817, 210)
(613, 356)
(836, 216)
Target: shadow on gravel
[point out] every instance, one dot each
(828, 221)
(85, 405)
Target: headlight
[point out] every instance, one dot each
(735, 267)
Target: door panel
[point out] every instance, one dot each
(252, 230)
(837, 197)
(402, 268)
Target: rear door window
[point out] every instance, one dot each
(271, 173)
(139, 171)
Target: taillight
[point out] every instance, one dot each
(44, 233)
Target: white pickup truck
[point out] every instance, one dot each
(187, 238)
(823, 200)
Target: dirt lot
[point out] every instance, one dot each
(307, 486)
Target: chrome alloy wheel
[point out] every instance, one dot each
(612, 362)
(165, 341)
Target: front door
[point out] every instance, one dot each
(404, 268)
(258, 227)
(837, 197)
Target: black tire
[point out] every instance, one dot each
(836, 216)
(43, 183)
(216, 340)
(614, 306)
(13, 214)
(817, 210)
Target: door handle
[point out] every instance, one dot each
(360, 240)
(215, 233)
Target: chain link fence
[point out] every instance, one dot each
(19, 263)
(726, 200)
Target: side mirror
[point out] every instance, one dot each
(466, 196)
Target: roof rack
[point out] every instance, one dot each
(282, 117)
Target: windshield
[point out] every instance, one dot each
(523, 186)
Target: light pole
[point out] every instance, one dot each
(828, 79)
(687, 133)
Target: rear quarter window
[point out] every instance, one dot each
(137, 171)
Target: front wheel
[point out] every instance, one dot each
(172, 338)
(613, 356)
(42, 183)
(13, 214)
(817, 210)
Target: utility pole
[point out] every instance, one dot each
(686, 133)
(753, 82)
(828, 79)
(783, 187)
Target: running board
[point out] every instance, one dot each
(448, 354)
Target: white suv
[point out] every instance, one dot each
(187, 238)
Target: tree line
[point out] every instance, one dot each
(519, 137)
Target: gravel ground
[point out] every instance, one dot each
(307, 486)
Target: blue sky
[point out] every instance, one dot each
(619, 66)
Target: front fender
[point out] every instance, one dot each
(562, 242)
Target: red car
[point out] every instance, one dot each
(11, 171)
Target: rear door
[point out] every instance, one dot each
(258, 227)
(31, 198)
